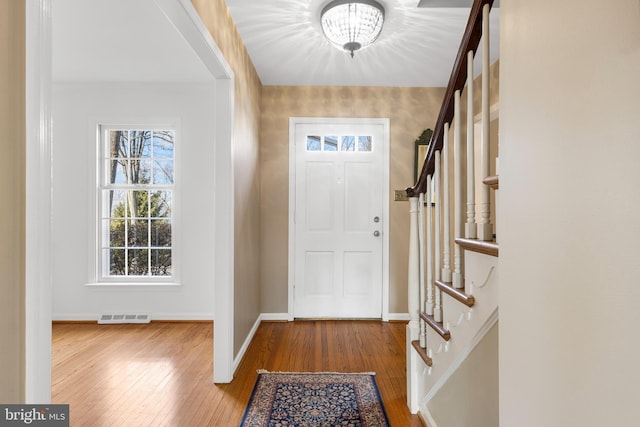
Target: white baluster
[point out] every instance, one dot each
(471, 231)
(413, 327)
(414, 269)
(423, 342)
(437, 310)
(485, 229)
(457, 191)
(429, 305)
(446, 207)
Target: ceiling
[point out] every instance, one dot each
(417, 46)
(119, 41)
(132, 41)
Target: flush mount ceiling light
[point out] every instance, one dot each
(352, 25)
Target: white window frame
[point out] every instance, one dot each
(97, 273)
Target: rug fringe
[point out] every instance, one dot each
(264, 371)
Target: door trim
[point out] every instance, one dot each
(293, 121)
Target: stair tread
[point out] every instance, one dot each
(436, 326)
(457, 294)
(422, 352)
(480, 246)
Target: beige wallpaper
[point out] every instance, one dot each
(217, 18)
(12, 195)
(410, 110)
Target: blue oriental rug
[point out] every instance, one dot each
(315, 400)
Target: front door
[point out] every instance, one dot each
(338, 222)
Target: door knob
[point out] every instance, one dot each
(376, 233)
(376, 219)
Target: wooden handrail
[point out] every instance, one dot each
(470, 41)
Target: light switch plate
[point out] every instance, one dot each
(400, 196)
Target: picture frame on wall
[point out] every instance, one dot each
(420, 152)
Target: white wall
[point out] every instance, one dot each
(569, 213)
(76, 108)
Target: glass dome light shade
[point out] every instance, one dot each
(352, 25)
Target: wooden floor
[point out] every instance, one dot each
(160, 374)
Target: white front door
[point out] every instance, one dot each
(338, 219)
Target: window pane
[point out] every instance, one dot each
(313, 143)
(163, 144)
(144, 173)
(331, 143)
(116, 262)
(137, 203)
(163, 172)
(140, 144)
(115, 203)
(137, 233)
(348, 143)
(161, 262)
(160, 232)
(364, 143)
(160, 204)
(117, 173)
(118, 144)
(139, 171)
(138, 262)
(116, 233)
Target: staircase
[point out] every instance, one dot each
(453, 255)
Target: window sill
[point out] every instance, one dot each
(133, 285)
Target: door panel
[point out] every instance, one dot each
(357, 209)
(319, 196)
(319, 273)
(357, 273)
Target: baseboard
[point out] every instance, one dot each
(426, 417)
(168, 317)
(275, 317)
(245, 345)
(285, 317)
(395, 317)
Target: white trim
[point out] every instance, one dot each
(263, 317)
(223, 366)
(274, 317)
(137, 286)
(385, 122)
(98, 127)
(188, 23)
(464, 353)
(178, 317)
(246, 343)
(95, 126)
(38, 279)
(292, 216)
(184, 17)
(394, 317)
(428, 417)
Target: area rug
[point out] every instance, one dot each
(310, 399)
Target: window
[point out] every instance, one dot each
(136, 204)
(348, 143)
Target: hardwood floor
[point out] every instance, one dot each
(160, 374)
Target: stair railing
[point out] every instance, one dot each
(431, 264)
